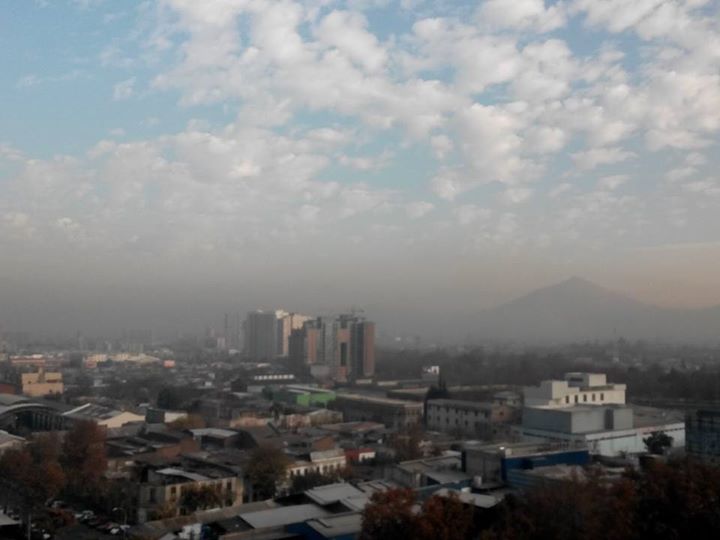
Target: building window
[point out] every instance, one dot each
(602, 397)
(584, 397)
(593, 397)
(567, 399)
(576, 399)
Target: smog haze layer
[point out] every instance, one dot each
(164, 162)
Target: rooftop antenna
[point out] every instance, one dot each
(616, 348)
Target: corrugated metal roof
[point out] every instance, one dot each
(278, 517)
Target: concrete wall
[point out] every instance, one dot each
(609, 443)
(578, 420)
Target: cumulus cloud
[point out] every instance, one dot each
(522, 15)
(596, 157)
(429, 129)
(124, 89)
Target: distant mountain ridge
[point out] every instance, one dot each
(579, 310)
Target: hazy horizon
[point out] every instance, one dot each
(165, 162)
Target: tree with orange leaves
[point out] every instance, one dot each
(396, 514)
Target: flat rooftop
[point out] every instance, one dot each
(325, 495)
(379, 400)
(462, 404)
(286, 515)
(650, 416)
(522, 449)
(343, 525)
(218, 433)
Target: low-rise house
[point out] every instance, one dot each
(148, 443)
(181, 486)
(42, 383)
(435, 471)
(393, 413)
(470, 418)
(508, 398)
(304, 395)
(509, 462)
(103, 416)
(359, 455)
(216, 438)
(323, 462)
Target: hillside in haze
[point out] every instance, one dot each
(578, 310)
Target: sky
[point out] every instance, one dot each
(165, 161)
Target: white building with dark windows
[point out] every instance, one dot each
(575, 389)
(585, 409)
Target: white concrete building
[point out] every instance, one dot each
(323, 462)
(575, 389)
(606, 431)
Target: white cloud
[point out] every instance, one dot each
(517, 195)
(596, 157)
(522, 15)
(502, 107)
(124, 89)
(418, 209)
(611, 183)
(347, 32)
(708, 187)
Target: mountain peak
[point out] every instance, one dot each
(578, 309)
(577, 281)
(574, 285)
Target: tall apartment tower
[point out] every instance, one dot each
(362, 349)
(232, 331)
(355, 354)
(287, 322)
(261, 335)
(345, 344)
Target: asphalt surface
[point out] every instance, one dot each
(82, 532)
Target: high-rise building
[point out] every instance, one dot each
(232, 331)
(355, 355)
(362, 349)
(287, 322)
(345, 344)
(261, 335)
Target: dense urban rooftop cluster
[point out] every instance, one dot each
(233, 443)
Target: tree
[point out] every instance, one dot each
(663, 501)
(84, 458)
(31, 475)
(312, 479)
(266, 470)
(389, 516)
(658, 442)
(445, 518)
(200, 498)
(392, 514)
